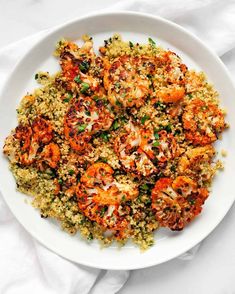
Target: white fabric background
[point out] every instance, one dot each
(25, 265)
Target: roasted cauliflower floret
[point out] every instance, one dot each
(100, 196)
(126, 83)
(84, 118)
(202, 121)
(177, 202)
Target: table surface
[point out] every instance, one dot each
(212, 269)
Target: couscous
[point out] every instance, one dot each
(117, 144)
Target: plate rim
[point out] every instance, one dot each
(44, 38)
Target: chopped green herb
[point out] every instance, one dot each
(173, 168)
(160, 105)
(103, 159)
(130, 100)
(60, 181)
(190, 96)
(156, 143)
(90, 237)
(88, 113)
(115, 125)
(82, 222)
(68, 97)
(139, 199)
(177, 132)
(71, 172)
(105, 136)
(77, 79)
(36, 76)
(84, 87)
(145, 199)
(144, 118)
(123, 198)
(78, 177)
(118, 103)
(168, 128)
(192, 201)
(131, 44)
(144, 187)
(105, 101)
(156, 135)
(102, 211)
(117, 85)
(123, 119)
(84, 66)
(81, 128)
(151, 42)
(51, 173)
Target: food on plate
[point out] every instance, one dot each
(177, 202)
(118, 143)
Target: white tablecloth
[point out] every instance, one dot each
(25, 265)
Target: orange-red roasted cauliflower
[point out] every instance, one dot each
(177, 202)
(77, 64)
(84, 118)
(203, 121)
(143, 151)
(30, 138)
(100, 196)
(126, 81)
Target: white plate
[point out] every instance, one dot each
(134, 27)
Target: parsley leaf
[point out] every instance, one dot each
(84, 88)
(77, 79)
(81, 128)
(144, 119)
(151, 42)
(156, 143)
(84, 66)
